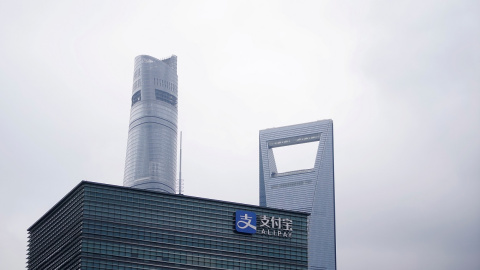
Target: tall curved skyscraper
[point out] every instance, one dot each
(151, 159)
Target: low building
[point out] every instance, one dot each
(100, 226)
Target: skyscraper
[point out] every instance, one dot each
(310, 190)
(152, 136)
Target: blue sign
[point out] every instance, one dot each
(245, 222)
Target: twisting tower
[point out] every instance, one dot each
(151, 159)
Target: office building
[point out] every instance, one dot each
(99, 226)
(151, 158)
(309, 190)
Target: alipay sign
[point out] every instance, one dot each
(246, 222)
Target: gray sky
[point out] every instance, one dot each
(400, 79)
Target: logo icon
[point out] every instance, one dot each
(245, 222)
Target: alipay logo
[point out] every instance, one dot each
(245, 222)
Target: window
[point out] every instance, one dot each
(164, 96)
(136, 97)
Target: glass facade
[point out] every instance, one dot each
(310, 190)
(98, 226)
(151, 159)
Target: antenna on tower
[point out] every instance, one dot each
(180, 186)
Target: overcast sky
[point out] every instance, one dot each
(400, 79)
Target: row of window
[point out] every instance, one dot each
(169, 248)
(137, 84)
(166, 112)
(174, 204)
(159, 95)
(212, 231)
(202, 237)
(99, 264)
(167, 215)
(167, 97)
(177, 220)
(157, 82)
(164, 213)
(173, 216)
(220, 243)
(59, 229)
(56, 216)
(166, 84)
(157, 201)
(52, 259)
(63, 241)
(162, 125)
(222, 261)
(55, 230)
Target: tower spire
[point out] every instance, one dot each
(180, 186)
